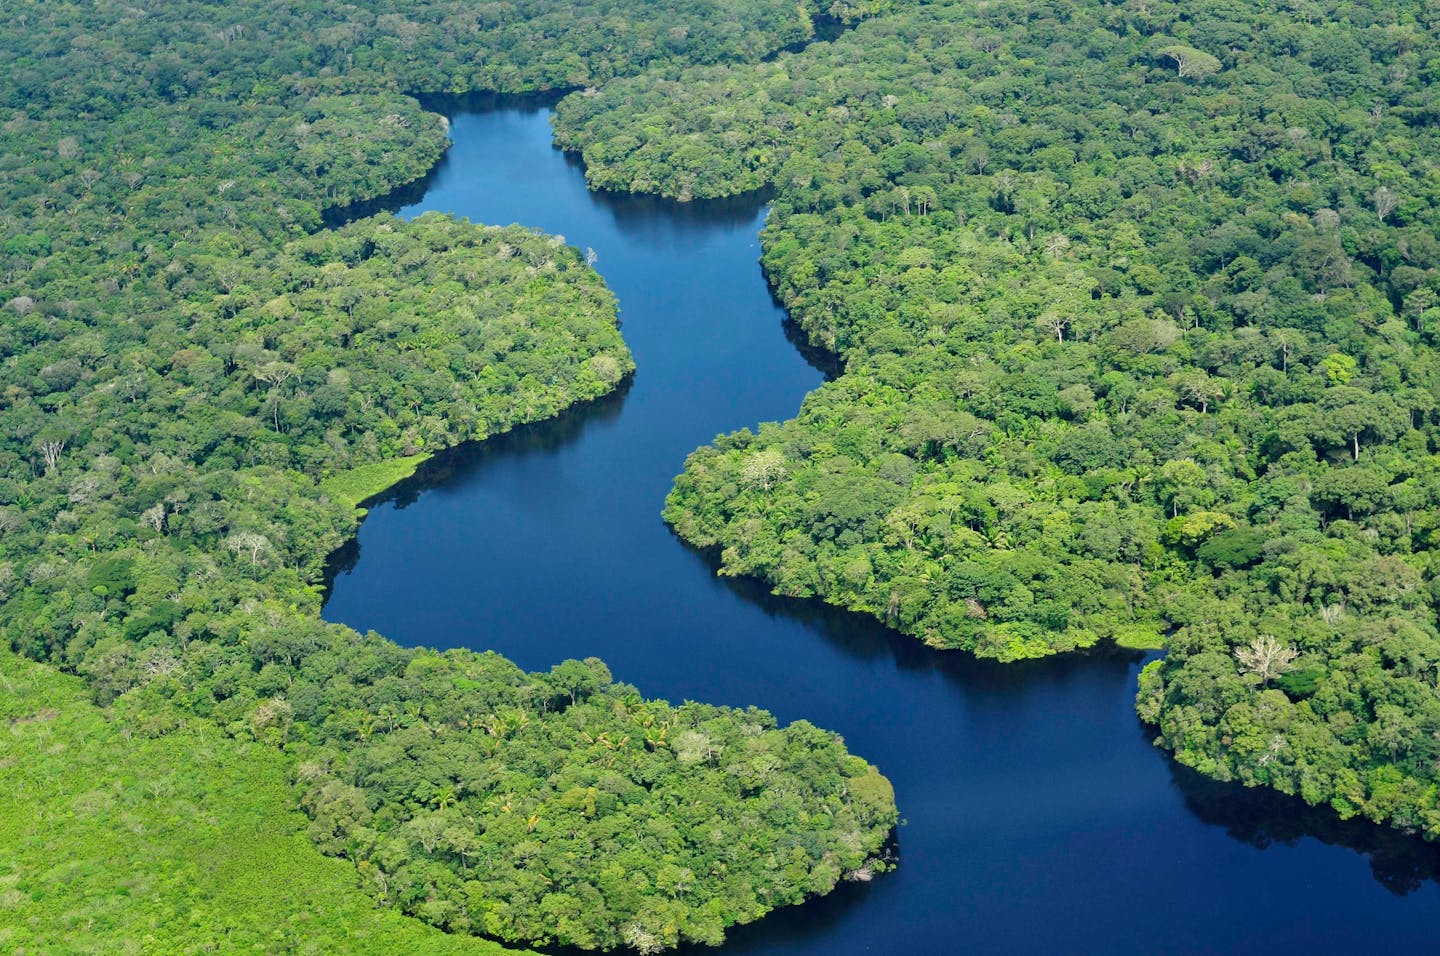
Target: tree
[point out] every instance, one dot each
(1339, 368)
(574, 679)
(1265, 658)
(764, 469)
(154, 517)
(643, 941)
(1182, 481)
(248, 542)
(275, 374)
(1198, 388)
(1190, 62)
(50, 450)
(1384, 200)
(1349, 413)
(1055, 322)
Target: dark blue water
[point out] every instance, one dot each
(1038, 816)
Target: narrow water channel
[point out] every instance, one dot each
(1038, 816)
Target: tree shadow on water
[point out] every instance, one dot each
(660, 221)
(454, 468)
(792, 929)
(866, 638)
(1263, 818)
(1400, 862)
(447, 105)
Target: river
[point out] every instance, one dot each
(1038, 817)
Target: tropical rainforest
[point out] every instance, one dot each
(1137, 305)
(1138, 309)
(199, 383)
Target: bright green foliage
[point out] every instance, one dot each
(354, 485)
(1136, 341)
(153, 833)
(198, 385)
(1138, 637)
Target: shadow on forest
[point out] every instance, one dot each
(828, 29)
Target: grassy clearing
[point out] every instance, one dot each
(1140, 637)
(359, 484)
(117, 842)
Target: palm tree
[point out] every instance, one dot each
(996, 537)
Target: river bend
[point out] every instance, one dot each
(1039, 818)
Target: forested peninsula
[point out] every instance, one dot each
(198, 386)
(1138, 309)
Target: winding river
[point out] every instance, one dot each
(1038, 815)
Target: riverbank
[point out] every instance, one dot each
(1024, 786)
(363, 482)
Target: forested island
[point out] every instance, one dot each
(200, 384)
(1137, 308)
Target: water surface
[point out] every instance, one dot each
(1039, 818)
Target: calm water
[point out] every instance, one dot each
(1038, 816)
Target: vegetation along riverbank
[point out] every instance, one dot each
(1138, 309)
(199, 386)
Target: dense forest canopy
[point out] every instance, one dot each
(1138, 305)
(198, 384)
